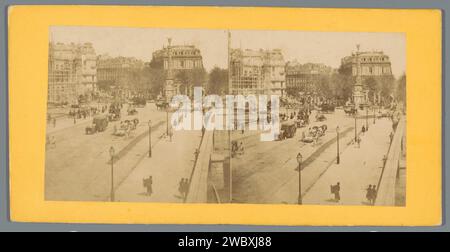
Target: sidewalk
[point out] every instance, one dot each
(170, 162)
(358, 168)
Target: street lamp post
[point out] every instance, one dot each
(367, 118)
(167, 121)
(111, 153)
(356, 137)
(374, 115)
(149, 138)
(299, 161)
(337, 157)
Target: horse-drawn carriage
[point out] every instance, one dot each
(99, 124)
(320, 117)
(161, 104)
(114, 117)
(139, 102)
(236, 149)
(350, 110)
(327, 108)
(287, 130)
(300, 123)
(126, 127)
(314, 133)
(132, 111)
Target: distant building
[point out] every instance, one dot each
(72, 72)
(365, 65)
(305, 77)
(184, 57)
(374, 63)
(255, 72)
(174, 59)
(118, 73)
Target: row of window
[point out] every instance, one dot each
(189, 52)
(374, 59)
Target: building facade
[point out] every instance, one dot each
(255, 72)
(363, 66)
(182, 57)
(117, 71)
(374, 63)
(72, 72)
(176, 59)
(119, 74)
(305, 77)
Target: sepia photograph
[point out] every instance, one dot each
(226, 116)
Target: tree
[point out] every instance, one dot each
(154, 79)
(386, 87)
(401, 89)
(372, 85)
(342, 86)
(217, 81)
(324, 87)
(189, 78)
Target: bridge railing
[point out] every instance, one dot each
(388, 178)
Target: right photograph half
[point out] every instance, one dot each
(341, 113)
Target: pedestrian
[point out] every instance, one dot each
(185, 187)
(369, 194)
(363, 129)
(241, 148)
(391, 136)
(54, 122)
(170, 134)
(148, 185)
(335, 189)
(374, 194)
(196, 153)
(181, 187)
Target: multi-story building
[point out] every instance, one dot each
(72, 72)
(174, 59)
(117, 71)
(363, 66)
(257, 72)
(183, 57)
(88, 74)
(119, 74)
(373, 64)
(305, 77)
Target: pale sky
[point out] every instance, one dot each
(315, 47)
(324, 47)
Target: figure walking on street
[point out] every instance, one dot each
(374, 194)
(185, 187)
(335, 189)
(181, 187)
(369, 194)
(148, 182)
(170, 134)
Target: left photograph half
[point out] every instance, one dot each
(109, 134)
